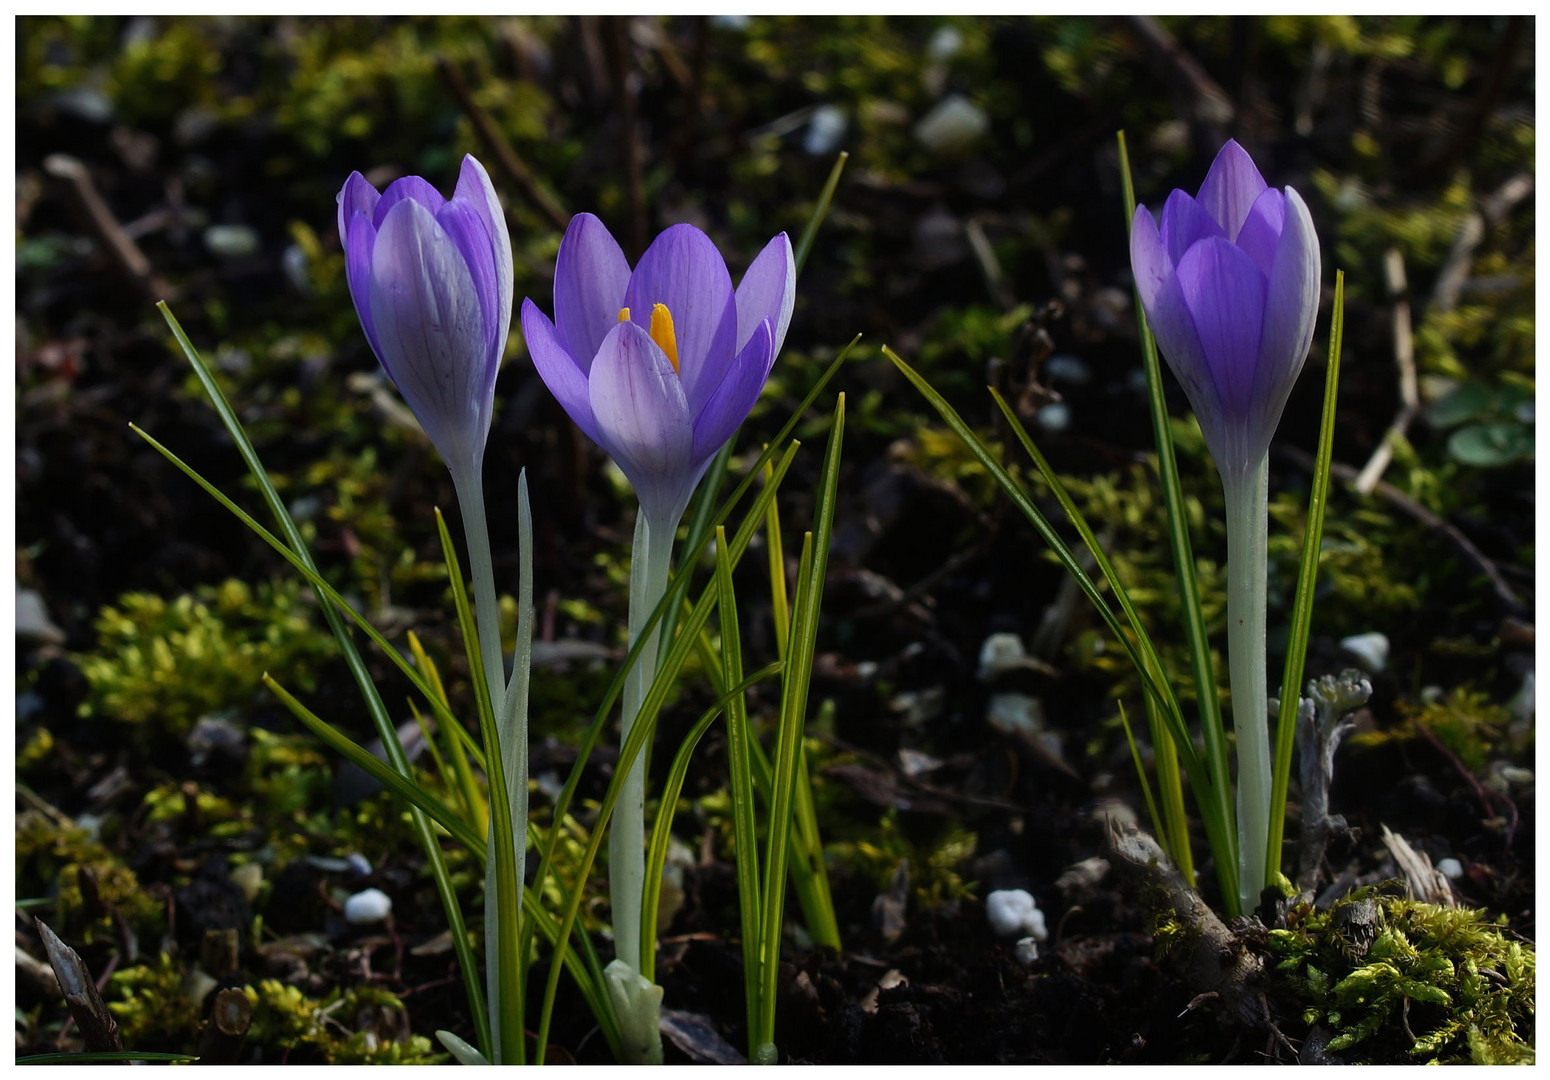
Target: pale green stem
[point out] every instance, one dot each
(649, 563)
(470, 497)
(1247, 495)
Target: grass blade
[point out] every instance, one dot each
(810, 233)
(745, 845)
(793, 712)
(386, 730)
(1307, 575)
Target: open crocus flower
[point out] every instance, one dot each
(1230, 284)
(659, 366)
(432, 283)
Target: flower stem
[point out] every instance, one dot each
(1247, 498)
(627, 837)
(511, 746)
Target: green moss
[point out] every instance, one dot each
(1428, 984)
(165, 663)
(151, 1008)
(51, 858)
(363, 1026)
(936, 862)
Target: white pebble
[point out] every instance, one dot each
(1001, 652)
(953, 124)
(1013, 911)
(1016, 714)
(367, 907)
(1371, 649)
(824, 130)
(1451, 869)
(1027, 951)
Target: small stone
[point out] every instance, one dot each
(1067, 369)
(249, 878)
(33, 625)
(1450, 868)
(824, 130)
(1001, 653)
(1016, 714)
(231, 241)
(1027, 951)
(952, 125)
(1056, 416)
(367, 907)
(1371, 649)
(359, 864)
(1013, 911)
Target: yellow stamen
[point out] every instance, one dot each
(662, 333)
(624, 314)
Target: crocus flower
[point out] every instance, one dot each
(659, 366)
(1230, 285)
(432, 283)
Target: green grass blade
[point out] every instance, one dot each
(462, 774)
(1212, 731)
(389, 777)
(641, 733)
(745, 846)
(1307, 575)
(1146, 787)
(1171, 793)
(1217, 827)
(671, 664)
(810, 233)
(793, 714)
(500, 870)
(104, 1057)
(667, 809)
(386, 730)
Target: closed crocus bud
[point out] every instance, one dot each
(432, 283)
(659, 365)
(1230, 283)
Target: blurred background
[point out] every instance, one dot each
(978, 229)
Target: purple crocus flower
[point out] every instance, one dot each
(1230, 284)
(659, 366)
(432, 283)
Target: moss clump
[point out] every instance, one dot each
(169, 662)
(89, 884)
(363, 1026)
(152, 1009)
(1428, 985)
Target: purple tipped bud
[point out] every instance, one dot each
(1229, 280)
(432, 283)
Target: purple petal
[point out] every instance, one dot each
(475, 190)
(1230, 188)
(466, 229)
(1225, 293)
(768, 291)
(415, 188)
(683, 270)
(558, 368)
(1262, 230)
(357, 196)
(729, 405)
(359, 236)
(430, 330)
(1291, 311)
(1184, 221)
(590, 276)
(643, 419)
(1169, 318)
